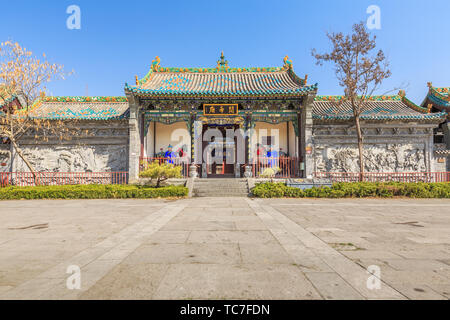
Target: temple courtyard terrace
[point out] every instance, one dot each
(225, 248)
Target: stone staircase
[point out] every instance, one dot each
(220, 187)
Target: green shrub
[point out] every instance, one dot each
(161, 172)
(91, 192)
(294, 193)
(269, 190)
(356, 190)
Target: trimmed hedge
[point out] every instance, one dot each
(91, 192)
(355, 190)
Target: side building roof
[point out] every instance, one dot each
(378, 108)
(80, 108)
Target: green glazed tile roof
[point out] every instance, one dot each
(80, 108)
(378, 108)
(439, 97)
(221, 81)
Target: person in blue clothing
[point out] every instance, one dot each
(170, 155)
(272, 156)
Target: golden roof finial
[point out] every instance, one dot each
(137, 80)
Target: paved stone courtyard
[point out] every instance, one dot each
(225, 248)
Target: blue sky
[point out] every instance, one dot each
(119, 39)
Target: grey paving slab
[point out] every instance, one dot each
(418, 292)
(167, 237)
(128, 282)
(186, 253)
(209, 281)
(270, 253)
(221, 248)
(332, 287)
(200, 225)
(352, 273)
(442, 289)
(254, 237)
(417, 264)
(96, 261)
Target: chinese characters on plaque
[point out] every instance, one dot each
(220, 109)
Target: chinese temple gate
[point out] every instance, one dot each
(221, 98)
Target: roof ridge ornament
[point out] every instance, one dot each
(222, 64)
(155, 64)
(288, 63)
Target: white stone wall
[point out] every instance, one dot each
(387, 148)
(441, 160)
(441, 163)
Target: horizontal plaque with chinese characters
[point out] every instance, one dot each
(220, 109)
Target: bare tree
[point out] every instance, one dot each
(359, 69)
(22, 82)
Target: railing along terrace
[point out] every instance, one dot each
(288, 167)
(178, 162)
(26, 179)
(385, 176)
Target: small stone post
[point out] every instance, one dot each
(134, 144)
(307, 136)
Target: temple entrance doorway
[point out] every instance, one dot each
(220, 158)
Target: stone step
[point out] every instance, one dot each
(232, 186)
(220, 188)
(220, 180)
(220, 184)
(216, 184)
(240, 194)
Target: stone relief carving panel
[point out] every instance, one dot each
(74, 158)
(378, 158)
